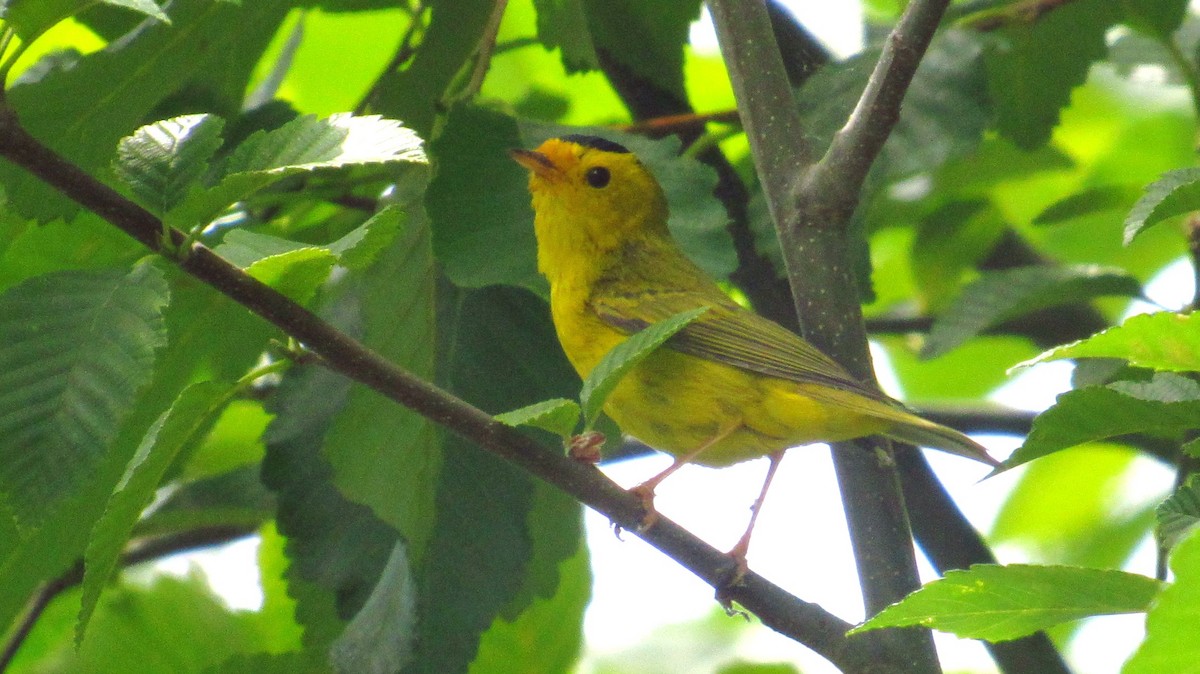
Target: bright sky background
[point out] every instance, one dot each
(800, 542)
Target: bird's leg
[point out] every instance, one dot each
(738, 551)
(645, 490)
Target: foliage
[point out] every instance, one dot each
(1025, 201)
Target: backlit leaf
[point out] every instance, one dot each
(998, 603)
(1162, 340)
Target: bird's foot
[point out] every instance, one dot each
(645, 493)
(585, 447)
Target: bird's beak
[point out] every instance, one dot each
(537, 163)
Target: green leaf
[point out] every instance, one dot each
(998, 296)
(297, 274)
(83, 111)
(386, 456)
(558, 416)
(302, 145)
(417, 92)
(1178, 515)
(31, 18)
(1175, 193)
(548, 635)
(497, 549)
(170, 626)
(563, 24)
(488, 239)
(624, 357)
(75, 349)
(647, 38)
(1089, 201)
(161, 161)
(1170, 644)
(998, 603)
(1029, 89)
(1157, 18)
(337, 548)
(1163, 340)
(1169, 403)
(1062, 510)
(379, 640)
(356, 250)
(191, 414)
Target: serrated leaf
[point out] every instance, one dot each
(1169, 403)
(1178, 515)
(647, 38)
(303, 144)
(1170, 644)
(83, 111)
(193, 411)
(998, 603)
(999, 296)
(31, 18)
(1175, 193)
(379, 640)
(160, 162)
(558, 416)
(1028, 89)
(75, 349)
(1162, 340)
(624, 357)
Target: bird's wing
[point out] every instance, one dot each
(732, 335)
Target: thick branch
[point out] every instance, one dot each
(811, 207)
(807, 623)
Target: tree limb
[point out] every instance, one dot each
(807, 623)
(811, 205)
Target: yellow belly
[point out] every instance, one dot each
(676, 403)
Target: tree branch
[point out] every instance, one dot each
(155, 548)
(807, 623)
(811, 206)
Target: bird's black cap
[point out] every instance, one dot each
(596, 143)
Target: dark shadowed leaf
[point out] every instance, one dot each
(1028, 89)
(75, 349)
(379, 640)
(999, 296)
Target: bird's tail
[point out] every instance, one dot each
(925, 433)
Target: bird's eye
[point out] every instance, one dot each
(597, 176)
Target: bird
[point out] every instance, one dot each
(731, 385)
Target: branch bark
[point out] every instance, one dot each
(811, 205)
(807, 623)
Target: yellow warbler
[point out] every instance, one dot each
(731, 385)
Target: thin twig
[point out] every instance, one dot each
(807, 623)
(141, 552)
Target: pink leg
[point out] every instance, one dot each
(645, 490)
(738, 552)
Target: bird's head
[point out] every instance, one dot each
(591, 197)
